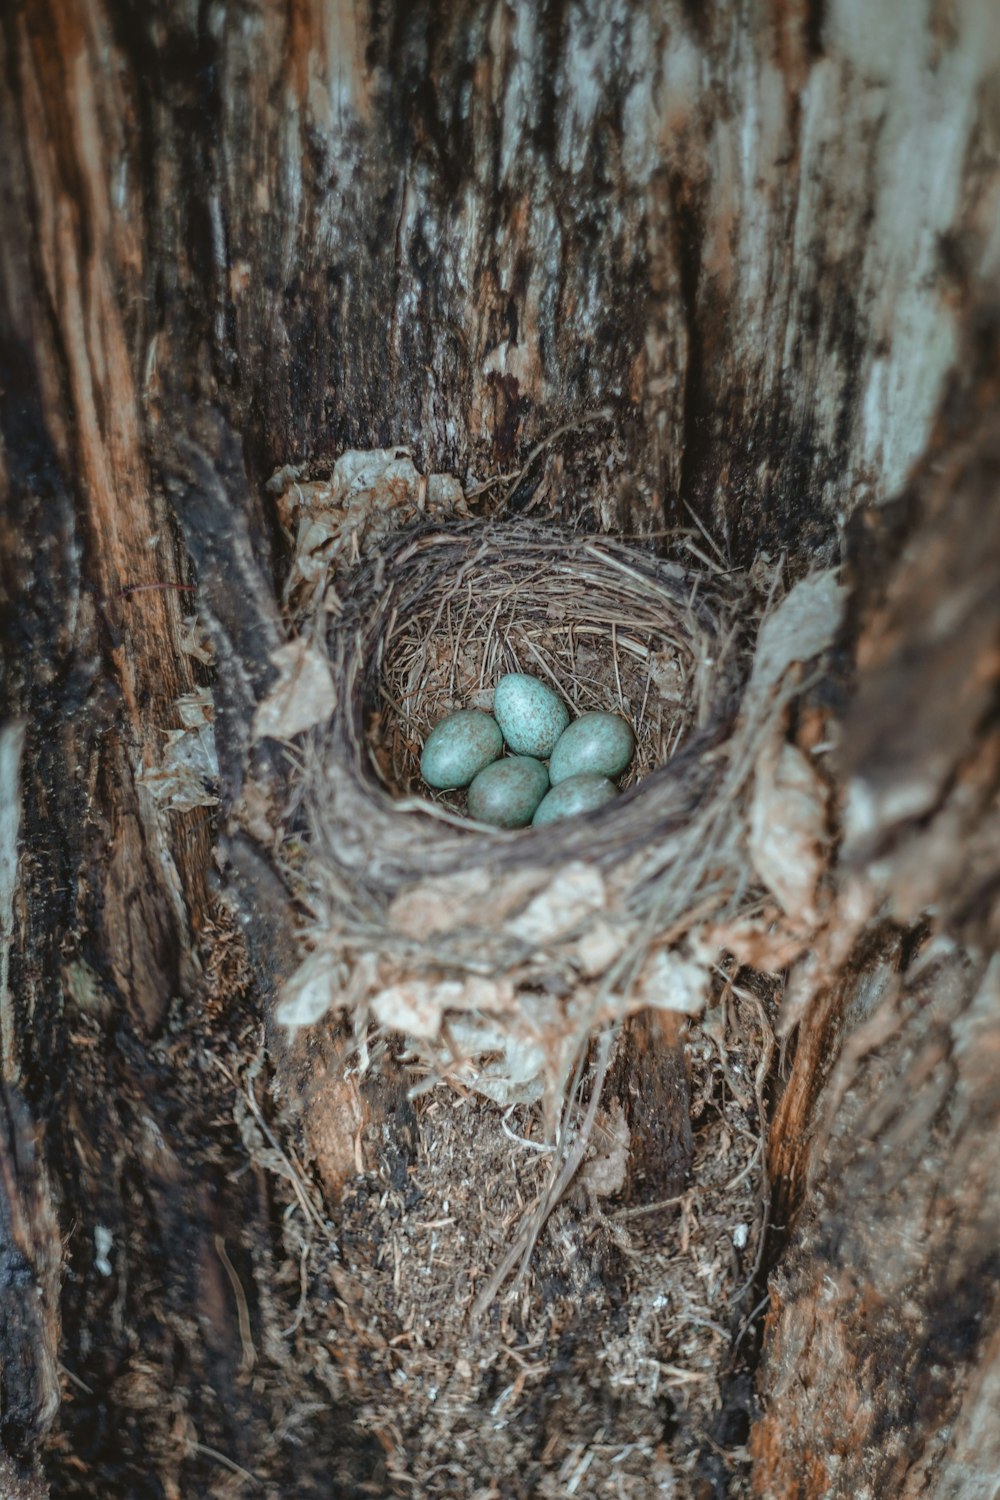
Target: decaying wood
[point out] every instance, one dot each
(727, 272)
(29, 1327)
(890, 1286)
(651, 1075)
(890, 1292)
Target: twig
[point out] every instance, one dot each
(227, 1463)
(249, 1356)
(603, 415)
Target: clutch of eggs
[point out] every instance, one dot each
(465, 749)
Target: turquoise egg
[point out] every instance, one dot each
(507, 792)
(577, 794)
(601, 743)
(530, 714)
(458, 748)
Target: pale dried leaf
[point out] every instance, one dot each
(670, 980)
(312, 990)
(472, 898)
(505, 1066)
(196, 642)
(445, 493)
(576, 893)
(803, 624)
(283, 477)
(346, 516)
(388, 471)
(602, 943)
(787, 829)
(417, 1006)
(196, 709)
(188, 773)
(303, 696)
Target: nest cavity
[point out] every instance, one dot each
(431, 624)
(575, 612)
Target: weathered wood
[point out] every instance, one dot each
(884, 1317)
(650, 1077)
(889, 1291)
(29, 1299)
(747, 259)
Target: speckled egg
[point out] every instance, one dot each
(601, 743)
(530, 714)
(507, 792)
(577, 794)
(459, 747)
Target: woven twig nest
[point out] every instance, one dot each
(431, 626)
(498, 956)
(495, 952)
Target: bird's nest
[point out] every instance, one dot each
(606, 628)
(503, 962)
(434, 622)
(498, 953)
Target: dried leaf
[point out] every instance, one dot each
(445, 493)
(671, 981)
(787, 829)
(195, 641)
(388, 471)
(189, 770)
(804, 624)
(601, 944)
(303, 696)
(313, 989)
(473, 898)
(576, 893)
(505, 1066)
(346, 516)
(417, 1006)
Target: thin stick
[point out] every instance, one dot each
(708, 536)
(603, 415)
(249, 1356)
(227, 1463)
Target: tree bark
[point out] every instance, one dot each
(742, 266)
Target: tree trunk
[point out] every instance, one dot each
(736, 268)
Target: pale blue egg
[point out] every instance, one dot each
(530, 714)
(596, 742)
(577, 794)
(506, 793)
(459, 747)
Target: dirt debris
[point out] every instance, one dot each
(596, 1372)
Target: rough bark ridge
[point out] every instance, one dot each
(749, 255)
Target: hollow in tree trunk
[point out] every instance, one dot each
(735, 269)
